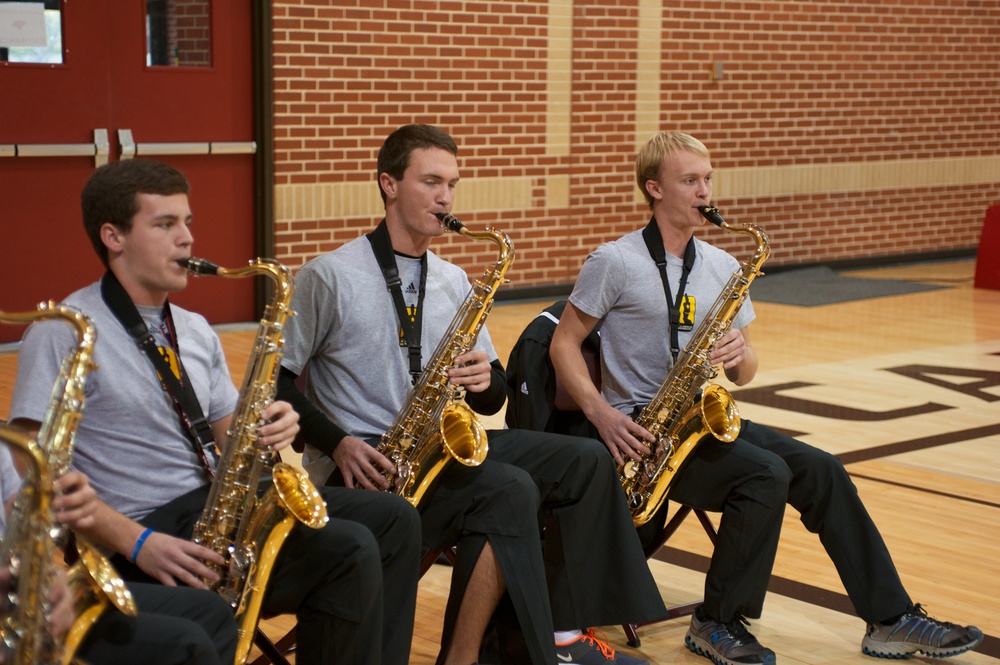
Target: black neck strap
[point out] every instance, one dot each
(410, 323)
(654, 243)
(180, 390)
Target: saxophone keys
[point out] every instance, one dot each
(629, 469)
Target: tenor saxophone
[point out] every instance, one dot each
(682, 414)
(33, 534)
(435, 427)
(247, 530)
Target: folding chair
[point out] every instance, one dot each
(273, 653)
(539, 401)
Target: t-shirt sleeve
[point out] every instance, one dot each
(314, 308)
(43, 349)
(599, 283)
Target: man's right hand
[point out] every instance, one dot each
(174, 560)
(360, 464)
(620, 434)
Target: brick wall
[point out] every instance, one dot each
(848, 130)
(191, 30)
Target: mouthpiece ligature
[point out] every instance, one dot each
(197, 266)
(711, 213)
(450, 222)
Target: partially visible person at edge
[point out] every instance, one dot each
(174, 626)
(749, 480)
(351, 584)
(347, 338)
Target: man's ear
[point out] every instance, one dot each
(653, 189)
(388, 184)
(111, 236)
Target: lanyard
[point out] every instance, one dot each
(180, 390)
(409, 321)
(654, 243)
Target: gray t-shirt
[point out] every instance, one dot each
(10, 483)
(346, 335)
(130, 441)
(620, 284)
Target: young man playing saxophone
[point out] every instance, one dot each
(174, 626)
(351, 584)
(749, 480)
(347, 335)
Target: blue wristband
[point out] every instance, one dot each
(138, 544)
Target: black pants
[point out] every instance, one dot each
(749, 481)
(591, 572)
(175, 626)
(351, 584)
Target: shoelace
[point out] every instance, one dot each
(920, 613)
(601, 644)
(930, 630)
(737, 629)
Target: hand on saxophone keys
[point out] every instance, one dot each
(75, 501)
(174, 561)
(736, 355)
(279, 426)
(360, 464)
(472, 371)
(624, 439)
(728, 350)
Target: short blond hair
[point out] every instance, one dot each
(651, 156)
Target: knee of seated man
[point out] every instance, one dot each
(771, 483)
(825, 473)
(595, 453)
(360, 543)
(340, 549)
(522, 494)
(512, 487)
(392, 514)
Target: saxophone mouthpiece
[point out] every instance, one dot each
(711, 213)
(197, 266)
(450, 222)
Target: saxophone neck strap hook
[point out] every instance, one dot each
(410, 323)
(654, 243)
(181, 392)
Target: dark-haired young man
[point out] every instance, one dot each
(351, 584)
(347, 334)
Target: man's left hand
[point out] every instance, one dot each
(729, 349)
(472, 371)
(281, 425)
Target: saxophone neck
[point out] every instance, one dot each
(497, 237)
(760, 238)
(80, 322)
(279, 274)
(711, 213)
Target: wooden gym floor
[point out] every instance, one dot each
(905, 390)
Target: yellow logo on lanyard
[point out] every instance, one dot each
(412, 312)
(686, 314)
(171, 358)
